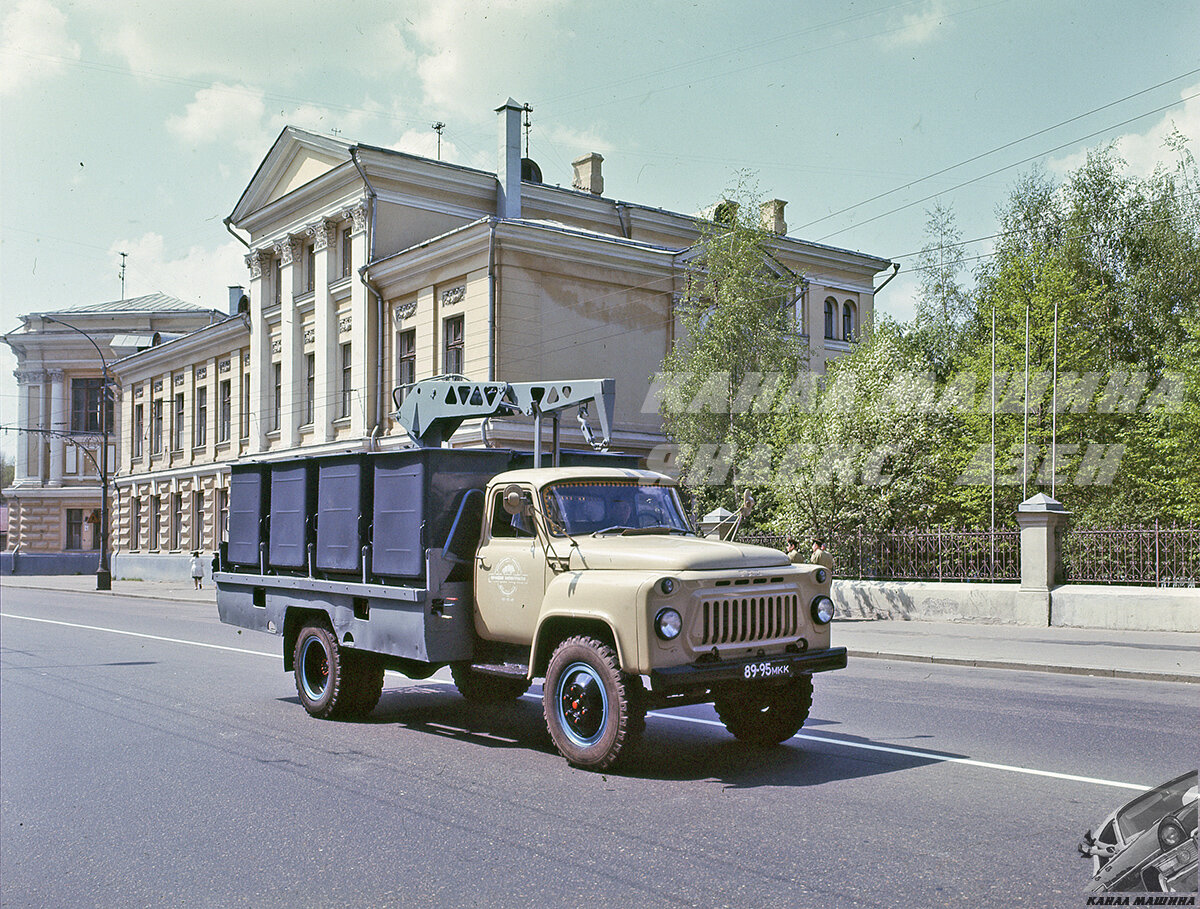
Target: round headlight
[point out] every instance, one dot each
(667, 624)
(667, 586)
(822, 610)
(1170, 833)
(821, 575)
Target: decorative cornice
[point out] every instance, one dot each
(288, 249)
(29, 376)
(255, 260)
(454, 295)
(55, 375)
(324, 234)
(358, 217)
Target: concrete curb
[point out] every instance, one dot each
(1028, 667)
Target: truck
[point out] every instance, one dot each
(575, 567)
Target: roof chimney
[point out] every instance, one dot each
(772, 216)
(508, 171)
(587, 173)
(237, 293)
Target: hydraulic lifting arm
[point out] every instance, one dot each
(434, 408)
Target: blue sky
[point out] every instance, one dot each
(131, 126)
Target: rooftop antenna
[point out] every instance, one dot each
(437, 128)
(528, 126)
(335, 131)
(123, 257)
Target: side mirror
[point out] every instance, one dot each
(515, 501)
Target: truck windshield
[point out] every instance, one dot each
(1146, 811)
(612, 506)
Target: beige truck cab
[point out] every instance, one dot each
(598, 576)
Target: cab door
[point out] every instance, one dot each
(510, 573)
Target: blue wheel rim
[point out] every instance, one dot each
(582, 704)
(314, 669)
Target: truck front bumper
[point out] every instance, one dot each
(778, 667)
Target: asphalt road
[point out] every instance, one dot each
(150, 756)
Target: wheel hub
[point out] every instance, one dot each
(582, 703)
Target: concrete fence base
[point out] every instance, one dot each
(1073, 605)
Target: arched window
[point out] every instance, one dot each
(849, 326)
(830, 315)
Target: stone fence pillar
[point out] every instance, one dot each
(1041, 520)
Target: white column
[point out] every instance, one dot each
(291, 336)
(23, 384)
(362, 314)
(259, 262)
(58, 422)
(327, 407)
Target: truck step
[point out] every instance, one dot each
(503, 670)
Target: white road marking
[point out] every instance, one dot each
(862, 746)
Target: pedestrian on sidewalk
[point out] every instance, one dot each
(821, 556)
(793, 551)
(197, 570)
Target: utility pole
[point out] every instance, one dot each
(437, 128)
(123, 257)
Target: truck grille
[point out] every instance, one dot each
(741, 619)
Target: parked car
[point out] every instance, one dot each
(1149, 844)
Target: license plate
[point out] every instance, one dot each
(768, 669)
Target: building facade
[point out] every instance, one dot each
(63, 409)
(186, 414)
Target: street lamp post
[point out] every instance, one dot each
(103, 571)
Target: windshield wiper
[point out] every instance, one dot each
(613, 529)
(658, 528)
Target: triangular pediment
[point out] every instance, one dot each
(298, 157)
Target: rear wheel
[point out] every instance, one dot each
(333, 681)
(586, 703)
(483, 688)
(766, 716)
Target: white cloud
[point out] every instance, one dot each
(1145, 150)
(219, 112)
(919, 26)
(33, 44)
(198, 274)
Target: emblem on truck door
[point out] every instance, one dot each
(507, 576)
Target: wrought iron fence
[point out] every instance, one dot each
(934, 554)
(1152, 555)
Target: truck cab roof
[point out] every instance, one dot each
(543, 476)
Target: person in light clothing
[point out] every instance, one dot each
(821, 556)
(197, 570)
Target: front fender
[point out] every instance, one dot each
(617, 599)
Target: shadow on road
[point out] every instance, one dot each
(670, 749)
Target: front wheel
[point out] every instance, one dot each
(586, 703)
(334, 682)
(766, 716)
(486, 689)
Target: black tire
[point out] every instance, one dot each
(334, 682)
(482, 688)
(586, 703)
(766, 716)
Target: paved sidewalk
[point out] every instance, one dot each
(1160, 655)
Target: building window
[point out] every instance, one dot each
(176, 520)
(347, 378)
(452, 361)
(347, 252)
(201, 429)
(406, 361)
(276, 398)
(86, 397)
(246, 406)
(155, 521)
(849, 328)
(135, 523)
(156, 426)
(310, 267)
(830, 315)
(197, 519)
(138, 419)
(226, 412)
(74, 529)
(277, 280)
(310, 386)
(222, 515)
(177, 424)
